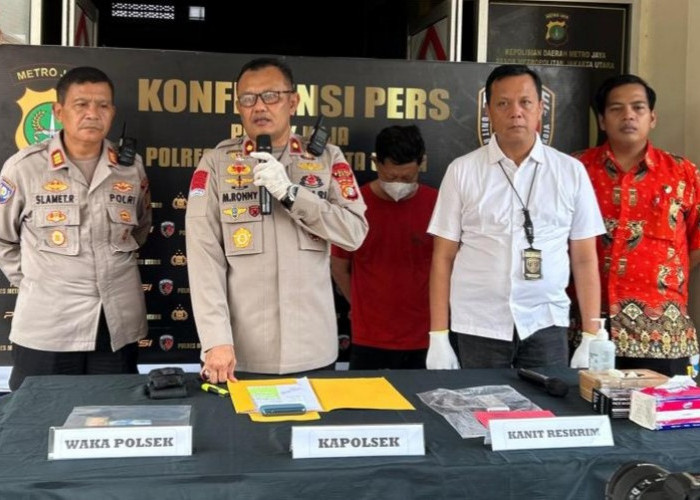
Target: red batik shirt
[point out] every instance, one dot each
(651, 218)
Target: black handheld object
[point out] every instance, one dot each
(263, 143)
(275, 410)
(319, 138)
(127, 149)
(645, 481)
(166, 383)
(554, 386)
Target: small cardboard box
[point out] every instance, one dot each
(587, 380)
(658, 409)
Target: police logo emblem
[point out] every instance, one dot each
(341, 170)
(179, 314)
(38, 122)
(234, 212)
(238, 169)
(295, 145)
(55, 186)
(55, 216)
(254, 210)
(557, 29)
(344, 342)
(7, 189)
(239, 182)
(166, 342)
(178, 259)
(165, 287)
(546, 125)
(179, 202)
(348, 191)
(167, 228)
(242, 238)
(309, 166)
(58, 238)
(311, 181)
(122, 187)
(125, 215)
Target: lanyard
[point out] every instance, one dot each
(527, 222)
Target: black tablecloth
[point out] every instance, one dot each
(237, 458)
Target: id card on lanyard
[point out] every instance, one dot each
(532, 257)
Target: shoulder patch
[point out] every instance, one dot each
(342, 174)
(198, 184)
(7, 189)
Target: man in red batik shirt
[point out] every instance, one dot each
(386, 279)
(650, 201)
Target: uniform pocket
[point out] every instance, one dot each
(242, 238)
(123, 220)
(664, 215)
(58, 228)
(308, 241)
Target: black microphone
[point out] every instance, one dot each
(264, 143)
(554, 386)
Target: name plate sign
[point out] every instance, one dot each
(114, 442)
(556, 432)
(357, 440)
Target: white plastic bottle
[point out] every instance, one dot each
(602, 350)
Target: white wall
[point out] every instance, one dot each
(14, 21)
(667, 57)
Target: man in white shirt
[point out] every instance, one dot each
(510, 218)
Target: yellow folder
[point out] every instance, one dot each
(374, 393)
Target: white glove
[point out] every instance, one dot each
(580, 357)
(271, 174)
(441, 356)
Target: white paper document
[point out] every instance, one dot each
(299, 392)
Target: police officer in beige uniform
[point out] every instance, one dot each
(71, 217)
(260, 284)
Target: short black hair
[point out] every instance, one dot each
(601, 95)
(80, 75)
(507, 70)
(400, 145)
(266, 62)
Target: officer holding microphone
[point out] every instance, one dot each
(260, 284)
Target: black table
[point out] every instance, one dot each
(236, 458)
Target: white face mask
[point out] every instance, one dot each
(398, 190)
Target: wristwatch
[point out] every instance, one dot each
(291, 196)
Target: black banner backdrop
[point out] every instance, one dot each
(178, 104)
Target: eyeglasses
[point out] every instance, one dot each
(248, 100)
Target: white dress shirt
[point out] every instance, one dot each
(478, 208)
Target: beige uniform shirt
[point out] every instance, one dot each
(69, 247)
(262, 282)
